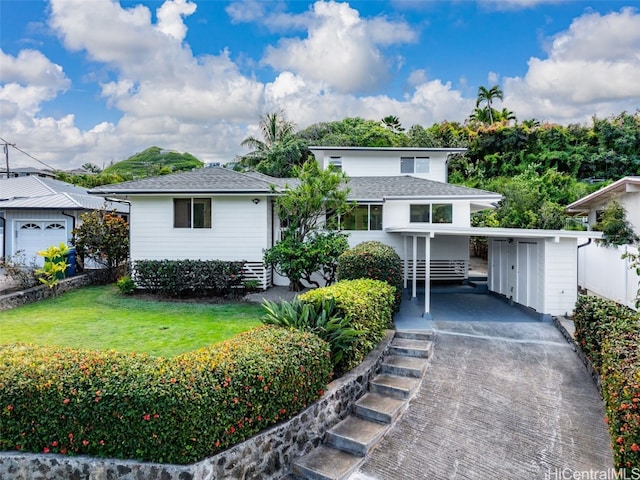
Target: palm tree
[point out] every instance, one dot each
(487, 96)
(506, 115)
(275, 128)
(392, 123)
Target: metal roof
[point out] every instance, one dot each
(391, 149)
(45, 193)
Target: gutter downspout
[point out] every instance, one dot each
(4, 237)
(588, 242)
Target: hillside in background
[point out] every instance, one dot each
(154, 161)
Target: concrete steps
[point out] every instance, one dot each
(347, 443)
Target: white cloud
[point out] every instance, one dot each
(170, 17)
(591, 68)
(341, 49)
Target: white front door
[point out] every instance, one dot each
(36, 235)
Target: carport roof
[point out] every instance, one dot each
(433, 230)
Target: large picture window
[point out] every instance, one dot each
(192, 213)
(362, 217)
(431, 213)
(414, 164)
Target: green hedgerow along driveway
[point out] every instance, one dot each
(100, 318)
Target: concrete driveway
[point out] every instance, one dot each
(501, 399)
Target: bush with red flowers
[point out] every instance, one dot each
(169, 410)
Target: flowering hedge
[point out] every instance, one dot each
(177, 410)
(609, 334)
(187, 277)
(373, 260)
(368, 304)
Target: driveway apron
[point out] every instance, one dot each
(499, 400)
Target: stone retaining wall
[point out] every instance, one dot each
(30, 295)
(267, 455)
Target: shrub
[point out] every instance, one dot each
(322, 319)
(176, 410)
(367, 304)
(609, 334)
(188, 277)
(373, 260)
(126, 285)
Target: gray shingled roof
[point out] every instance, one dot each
(202, 180)
(221, 180)
(381, 188)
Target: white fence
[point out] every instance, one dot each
(603, 271)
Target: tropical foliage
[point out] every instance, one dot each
(103, 237)
(609, 334)
(309, 244)
(167, 410)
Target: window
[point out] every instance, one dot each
(420, 213)
(431, 213)
(336, 163)
(414, 164)
(363, 217)
(187, 209)
(442, 213)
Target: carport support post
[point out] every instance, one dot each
(427, 278)
(414, 284)
(405, 264)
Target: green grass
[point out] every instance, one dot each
(100, 318)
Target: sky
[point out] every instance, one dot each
(95, 81)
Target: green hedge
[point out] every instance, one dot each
(609, 334)
(368, 304)
(187, 277)
(373, 260)
(177, 410)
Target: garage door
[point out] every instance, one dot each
(33, 236)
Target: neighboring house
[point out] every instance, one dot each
(27, 172)
(403, 199)
(602, 270)
(36, 212)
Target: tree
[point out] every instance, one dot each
(277, 134)
(91, 168)
(392, 123)
(310, 243)
(487, 96)
(104, 238)
(615, 226)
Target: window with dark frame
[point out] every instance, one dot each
(414, 165)
(362, 217)
(192, 213)
(431, 213)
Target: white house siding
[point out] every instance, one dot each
(631, 203)
(537, 273)
(380, 164)
(239, 231)
(602, 271)
(560, 276)
(397, 212)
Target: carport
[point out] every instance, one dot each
(535, 269)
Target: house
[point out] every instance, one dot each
(602, 270)
(403, 199)
(36, 212)
(26, 172)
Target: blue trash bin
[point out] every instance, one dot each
(71, 263)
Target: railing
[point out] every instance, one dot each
(257, 271)
(441, 269)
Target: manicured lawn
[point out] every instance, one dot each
(100, 318)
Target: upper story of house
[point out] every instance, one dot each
(626, 191)
(427, 163)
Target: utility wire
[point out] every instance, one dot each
(28, 155)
